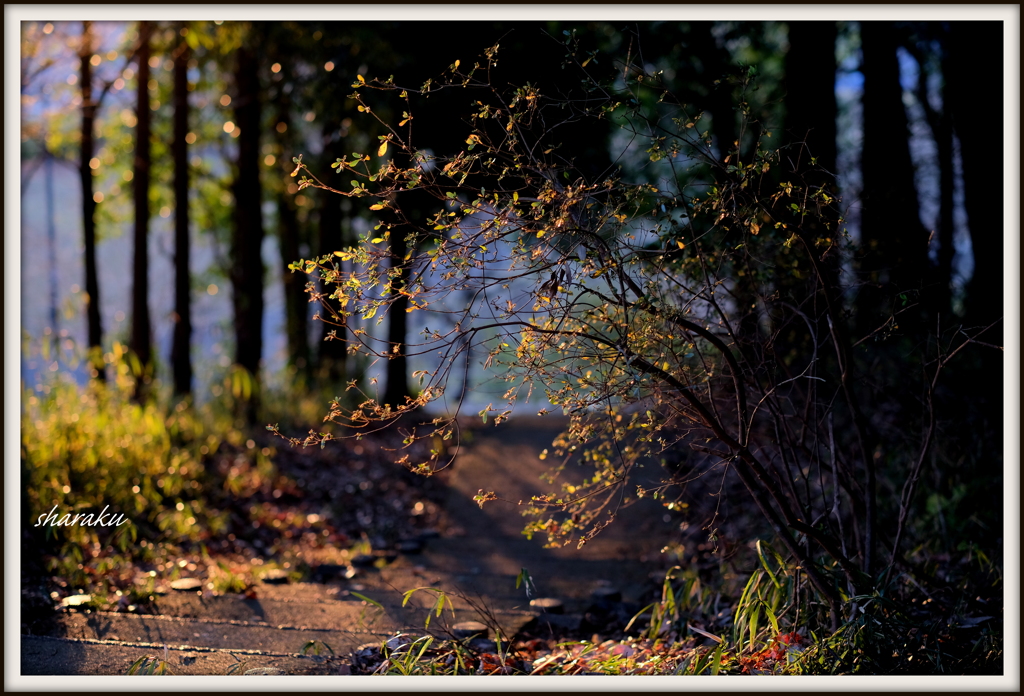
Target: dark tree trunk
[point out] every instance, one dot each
(92, 286)
(332, 354)
(811, 90)
(939, 299)
(397, 388)
(140, 341)
(976, 100)
(811, 111)
(715, 64)
(181, 359)
(290, 232)
(894, 243)
(943, 131)
(811, 119)
(51, 240)
(296, 299)
(247, 238)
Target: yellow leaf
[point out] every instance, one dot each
(680, 244)
(377, 206)
(360, 78)
(383, 149)
(541, 233)
(456, 64)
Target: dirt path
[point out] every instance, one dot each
(477, 556)
(490, 542)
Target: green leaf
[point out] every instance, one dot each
(716, 661)
(771, 617)
(764, 563)
(367, 599)
(754, 615)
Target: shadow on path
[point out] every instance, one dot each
(485, 548)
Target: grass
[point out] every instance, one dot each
(84, 448)
(772, 629)
(188, 478)
(148, 665)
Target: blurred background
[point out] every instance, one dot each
(907, 115)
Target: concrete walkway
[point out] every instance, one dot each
(476, 559)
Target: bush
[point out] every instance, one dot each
(87, 447)
(697, 304)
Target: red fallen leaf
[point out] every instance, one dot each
(489, 662)
(250, 594)
(793, 638)
(762, 661)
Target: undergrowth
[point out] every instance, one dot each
(159, 487)
(179, 471)
(769, 631)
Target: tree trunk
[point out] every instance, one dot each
(332, 355)
(296, 300)
(397, 388)
(181, 358)
(943, 131)
(939, 300)
(51, 241)
(811, 111)
(811, 90)
(976, 100)
(894, 243)
(140, 341)
(719, 100)
(92, 286)
(247, 238)
(290, 233)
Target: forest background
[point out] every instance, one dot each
(927, 187)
